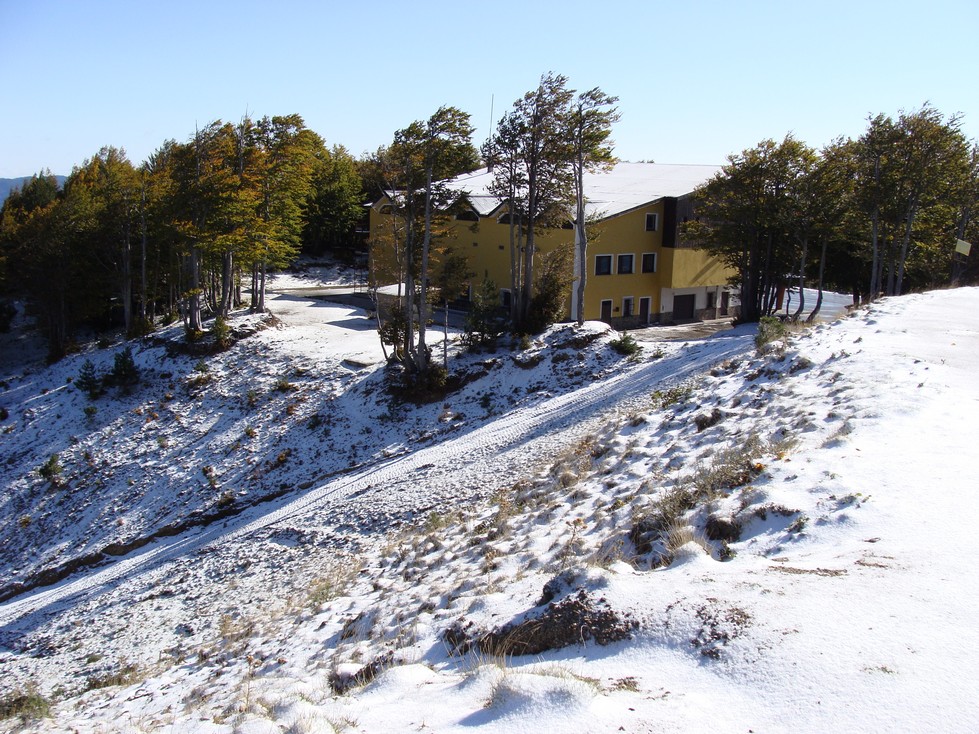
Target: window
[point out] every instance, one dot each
(711, 299)
(603, 264)
(627, 306)
(625, 265)
(467, 215)
(652, 222)
(506, 298)
(649, 262)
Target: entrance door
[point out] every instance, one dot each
(607, 312)
(644, 311)
(683, 307)
(725, 302)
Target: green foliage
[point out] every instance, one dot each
(553, 288)
(221, 333)
(335, 203)
(625, 345)
(531, 156)
(88, 381)
(770, 329)
(124, 371)
(874, 215)
(485, 322)
(393, 330)
(51, 469)
(672, 395)
(283, 385)
(418, 167)
(27, 705)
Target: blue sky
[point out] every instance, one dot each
(697, 80)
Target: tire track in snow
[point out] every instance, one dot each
(498, 450)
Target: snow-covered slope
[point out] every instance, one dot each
(700, 538)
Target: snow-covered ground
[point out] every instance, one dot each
(698, 538)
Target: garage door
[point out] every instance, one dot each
(683, 307)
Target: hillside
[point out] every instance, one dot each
(701, 537)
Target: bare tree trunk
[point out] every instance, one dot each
(262, 268)
(227, 278)
(445, 336)
(194, 301)
(802, 279)
(875, 260)
(906, 240)
(581, 244)
(421, 360)
(819, 293)
(127, 283)
(142, 258)
(516, 267)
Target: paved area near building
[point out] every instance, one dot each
(674, 332)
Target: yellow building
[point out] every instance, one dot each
(640, 271)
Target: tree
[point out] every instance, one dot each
(288, 152)
(590, 121)
(37, 193)
(553, 283)
(484, 322)
(419, 166)
(748, 212)
(531, 158)
(450, 282)
(205, 185)
(335, 205)
(910, 169)
(114, 190)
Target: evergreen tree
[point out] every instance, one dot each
(335, 205)
(531, 155)
(419, 164)
(590, 119)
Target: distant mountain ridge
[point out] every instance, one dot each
(9, 184)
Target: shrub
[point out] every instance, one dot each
(90, 411)
(88, 380)
(221, 332)
(426, 386)
(125, 675)
(770, 329)
(485, 321)
(51, 469)
(27, 705)
(552, 288)
(124, 372)
(7, 313)
(4, 414)
(141, 327)
(672, 395)
(626, 345)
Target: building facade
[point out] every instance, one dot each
(640, 271)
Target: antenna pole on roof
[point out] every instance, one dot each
(489, 137)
